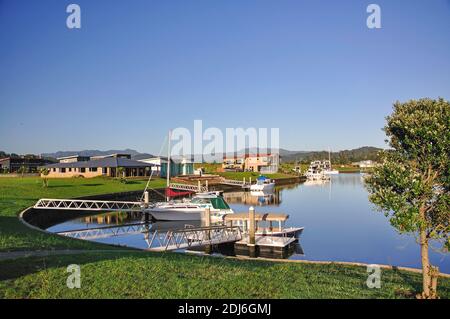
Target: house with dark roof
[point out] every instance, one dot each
(31, 164)
(114, 166)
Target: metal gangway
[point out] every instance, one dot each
(188, 187)
(106, 231)
(90, 205)
(233, 182)
(192, 237)
(163, 240)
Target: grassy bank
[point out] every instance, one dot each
(170, 275)
(17, 193)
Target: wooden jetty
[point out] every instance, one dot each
(197, 183)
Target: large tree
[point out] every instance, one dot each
(411, 184)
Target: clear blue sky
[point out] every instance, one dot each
(138, 68)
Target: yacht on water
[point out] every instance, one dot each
(190, 209)
(321, 170)
(327, 169)
(316, 171)
(263, 184)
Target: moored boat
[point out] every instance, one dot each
(190, 209)
(263, 184)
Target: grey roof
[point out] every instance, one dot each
(104, 162)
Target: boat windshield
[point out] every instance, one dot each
(219, 203)
(216, 202)
(198, 200)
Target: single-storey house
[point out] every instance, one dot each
(107, 166)
(31, 164)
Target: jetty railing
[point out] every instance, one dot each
(192, 237)
(164, 240)
(92, 205)
(105, 232)
(233, 182)
(188, 187)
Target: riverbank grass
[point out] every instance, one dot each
(18, 193)
(172, 275)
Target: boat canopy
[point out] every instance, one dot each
(262, 178)
(219, 203)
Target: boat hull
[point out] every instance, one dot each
(175, 215)
(262, 187)
(180, 214)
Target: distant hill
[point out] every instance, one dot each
(341, 157)
(134, 154)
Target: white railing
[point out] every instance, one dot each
(163, 240)
(90, 205)
(188, 187)
(193, 237)
(235, 182)
(105, 232)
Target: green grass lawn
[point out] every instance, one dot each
(17, 193)
(171, 275)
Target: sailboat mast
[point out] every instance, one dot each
(168, 159)
(329, 155)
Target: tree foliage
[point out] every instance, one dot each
(411, 185)
(415, 173)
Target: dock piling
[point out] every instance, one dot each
(252, 232)
(146, 199)
(206, 221)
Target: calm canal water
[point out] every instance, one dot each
(340, 224)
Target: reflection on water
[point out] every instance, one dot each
(340, 223)
(254, 198)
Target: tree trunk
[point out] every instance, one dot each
(426, 267)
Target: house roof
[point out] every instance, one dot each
(103, 162)
(72, 156)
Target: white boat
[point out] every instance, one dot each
(191, 209)
(263, 184)
(327, 170)
(315, 172)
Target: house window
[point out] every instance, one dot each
(70, 169)
(92, 169)
(54, 169)
(104, 170)
(82, 170)
(63, 169)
